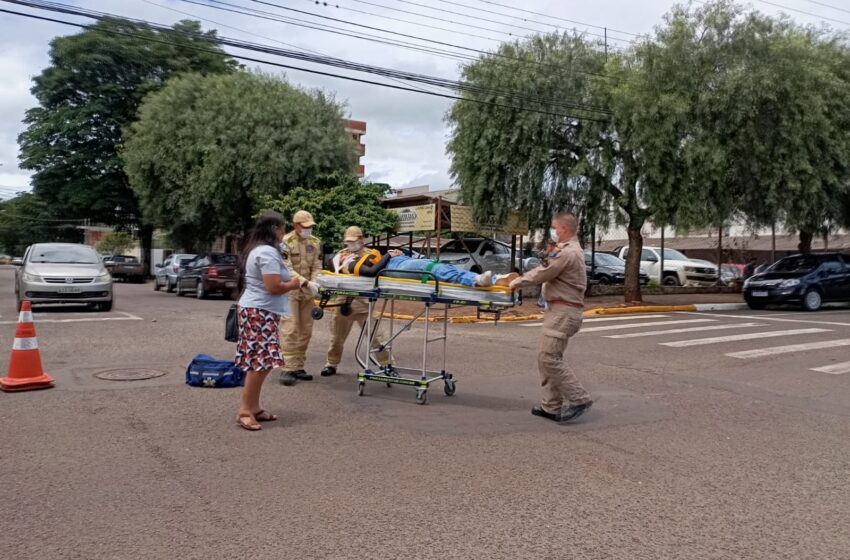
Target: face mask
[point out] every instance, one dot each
(354, 245)
(305, 233)
(553, 235)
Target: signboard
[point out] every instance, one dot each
(462, 221)
(415, 218)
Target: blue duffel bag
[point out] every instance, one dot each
(206, 371)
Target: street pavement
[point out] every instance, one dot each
(714, 435)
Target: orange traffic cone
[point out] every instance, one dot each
(25, 371)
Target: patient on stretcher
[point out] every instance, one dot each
(402, 266)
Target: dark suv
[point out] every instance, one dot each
(209, 273)
(809, 280)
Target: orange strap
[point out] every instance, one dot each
(372, 257)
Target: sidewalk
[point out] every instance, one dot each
(529, 310)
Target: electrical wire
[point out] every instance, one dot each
(574, 118)
(830, 6)
(522, 10)
(824, 18)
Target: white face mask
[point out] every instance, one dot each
(553, 235)
(354, 245)
(305, 233)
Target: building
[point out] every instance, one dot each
(357, 129)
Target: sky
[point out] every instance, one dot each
(407, 132)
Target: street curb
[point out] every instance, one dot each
(469, 319)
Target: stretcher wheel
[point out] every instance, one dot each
(421, 396)
(345, 309)
(317, 313)
(449, 387)
(360, 387)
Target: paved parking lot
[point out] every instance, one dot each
(714, 435)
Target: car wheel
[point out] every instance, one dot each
(156, 285)
(812, 300)
(200, 293)
(671, 280)
(179, 289)
(604, 280)
(106, 306)
(169, 287)
(475, 269)
(756, 306)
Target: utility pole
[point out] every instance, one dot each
(606, 44)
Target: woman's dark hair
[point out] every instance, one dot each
(262, 234)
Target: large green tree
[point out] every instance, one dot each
(337, 202)
(87, 97)
(26, 219)
(205, 150)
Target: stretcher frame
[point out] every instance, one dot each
(420, 378)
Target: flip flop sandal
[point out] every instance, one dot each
(263, 416)
(247, 426)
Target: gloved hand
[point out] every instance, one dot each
(314, 288)
(514, 283)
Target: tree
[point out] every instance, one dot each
(115, 243)
(87, 97)
(26, 219)
(206, 149)
(340, 201)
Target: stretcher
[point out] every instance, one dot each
(340, 290)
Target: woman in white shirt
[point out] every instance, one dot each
(263, 301)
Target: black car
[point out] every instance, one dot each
(808, 280)
(609, 269)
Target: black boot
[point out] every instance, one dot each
(574, 411)
(287, 378)
(328, 371)
(302, 375)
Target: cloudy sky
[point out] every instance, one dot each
(406, 135)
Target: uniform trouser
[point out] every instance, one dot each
(559, 384)
(296, 331)
(340, 327)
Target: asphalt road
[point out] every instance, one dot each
(695, 448)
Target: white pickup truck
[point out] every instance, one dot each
(679, 270)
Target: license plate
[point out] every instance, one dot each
(230, 284)
(759, 294)
(70, 290)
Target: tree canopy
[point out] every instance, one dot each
(115, 243)
(26, 219)
(207, 149)
(337, 202)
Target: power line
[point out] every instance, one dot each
(271, 63)
(824, 18)
(522, 10)
(830, 6)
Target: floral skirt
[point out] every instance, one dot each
(258, 348)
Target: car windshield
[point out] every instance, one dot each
(70, 254)
(800, 263)
(674, 255)
(604, 259)
(457, 246)
(223, 259)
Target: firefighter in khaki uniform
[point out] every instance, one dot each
(355, 249)
(302, 254)
(564, 281)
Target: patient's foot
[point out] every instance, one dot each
(484, 279)
(505, 279)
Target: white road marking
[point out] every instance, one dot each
(767, 317)
(776, 350)
(598, 319)
(126, 317)
(691, 329)
(653, 324)
(737, 337)
(834, 369)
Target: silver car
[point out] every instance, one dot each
(166, 273)
(477, 254)
(63, 273)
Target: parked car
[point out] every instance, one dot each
(123, 267)
(679, 270)
(63, 273)
(209, 273)
(609, 269)
(808, 280)
(477, 254)
(731, 273)
(168, 275)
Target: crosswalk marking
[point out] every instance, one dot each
(834, 369)
(687, 330)
(737, 337)
(652, 324)
(599, 319)
(776, 350)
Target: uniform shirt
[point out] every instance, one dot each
(359, 306)
(303, 257)
(564, 277)
(264, 259)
